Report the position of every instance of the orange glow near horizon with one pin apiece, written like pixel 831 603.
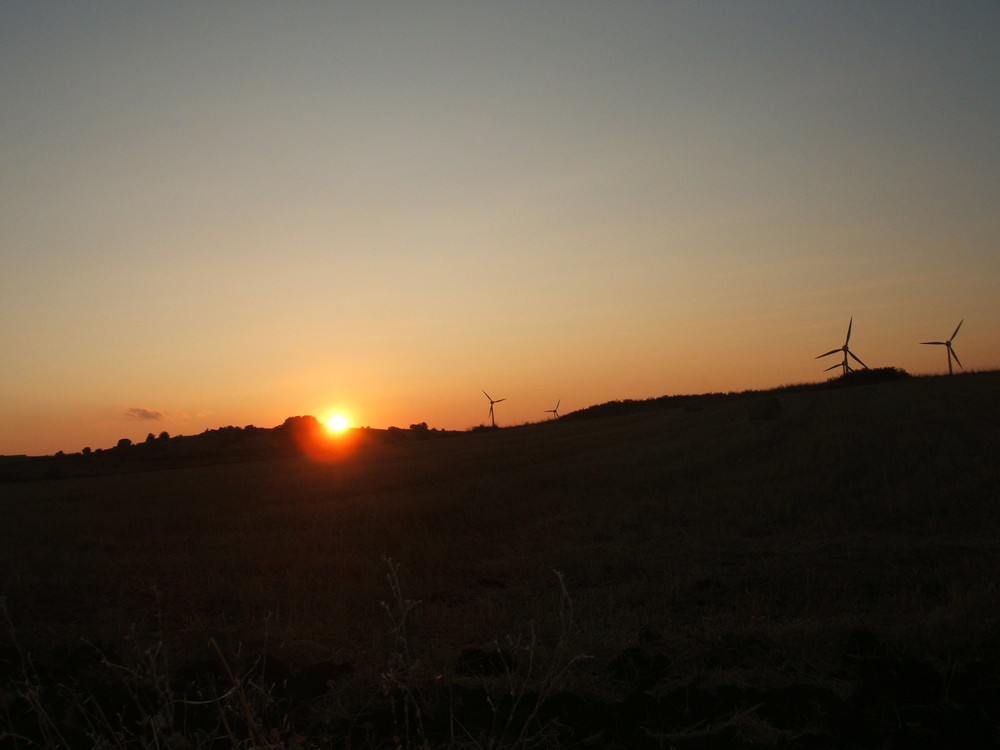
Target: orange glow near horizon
pixel 325 440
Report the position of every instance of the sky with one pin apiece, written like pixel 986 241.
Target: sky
pixel 230 213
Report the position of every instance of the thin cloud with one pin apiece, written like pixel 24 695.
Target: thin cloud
pixel 144 415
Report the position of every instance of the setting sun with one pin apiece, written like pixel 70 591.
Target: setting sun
pixel 337 423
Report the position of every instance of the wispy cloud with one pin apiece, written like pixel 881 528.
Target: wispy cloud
pixel 144 415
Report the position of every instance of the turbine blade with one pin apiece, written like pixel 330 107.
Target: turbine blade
pixel 939 343
pixel 848 339
pixel 499 400
pixel 951 352
pixel 558 402
pixel 832 367
pixel 832 351
pixel 487 395
pixel 858 360
pixel 956 328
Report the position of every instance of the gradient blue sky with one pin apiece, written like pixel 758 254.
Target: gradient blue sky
pixel 221 213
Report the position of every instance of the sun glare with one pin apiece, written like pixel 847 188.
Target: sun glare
pixel 337 423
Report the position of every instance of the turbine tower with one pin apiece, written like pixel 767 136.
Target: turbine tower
pixel 554 412
pixel 493 401
pixel 947 344
pixel 846 364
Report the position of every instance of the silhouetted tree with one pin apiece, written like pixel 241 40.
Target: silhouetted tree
pixel 124 443
pixel 301 432
pixel 164 435
pixel 150 439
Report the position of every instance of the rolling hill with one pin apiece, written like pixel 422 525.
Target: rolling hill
pixel 810 567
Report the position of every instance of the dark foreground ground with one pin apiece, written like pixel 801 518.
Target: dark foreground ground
pixel 810 569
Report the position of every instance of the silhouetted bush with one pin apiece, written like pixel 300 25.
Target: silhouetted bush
pixel 300 432
pixel 869 376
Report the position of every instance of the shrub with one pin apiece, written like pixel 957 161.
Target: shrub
pixel 869 376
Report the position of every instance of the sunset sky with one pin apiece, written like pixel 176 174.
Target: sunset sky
pixel 228 213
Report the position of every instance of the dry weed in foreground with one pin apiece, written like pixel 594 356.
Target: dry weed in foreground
pixel 522 675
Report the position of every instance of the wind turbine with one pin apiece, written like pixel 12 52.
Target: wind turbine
pixel 951 352
pixel 847 353
pixel 554 412
pixel 493 401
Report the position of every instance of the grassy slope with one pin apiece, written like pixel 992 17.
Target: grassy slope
pixel 729 544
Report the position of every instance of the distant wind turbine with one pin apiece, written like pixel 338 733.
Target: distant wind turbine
pixel 947 344
pixel 554 412
pixel 847 353
pixel 493 401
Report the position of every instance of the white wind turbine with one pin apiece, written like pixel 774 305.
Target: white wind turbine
pixel 493 401
pixel 847 353
pixel 947 344
pixel 554 412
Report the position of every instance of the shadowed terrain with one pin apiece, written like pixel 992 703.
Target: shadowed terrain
pixel 805 568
